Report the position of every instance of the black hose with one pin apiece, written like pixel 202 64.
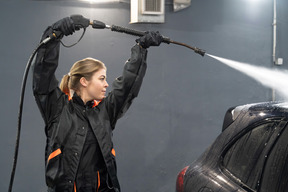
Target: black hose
pixel 21 109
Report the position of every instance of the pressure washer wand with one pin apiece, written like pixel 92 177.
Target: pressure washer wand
pixel 100 25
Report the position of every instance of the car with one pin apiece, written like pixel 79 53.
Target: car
pixel 250 154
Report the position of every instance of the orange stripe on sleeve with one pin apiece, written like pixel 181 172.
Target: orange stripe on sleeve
pixel 54 154
pixel 113 152
pixel 98 181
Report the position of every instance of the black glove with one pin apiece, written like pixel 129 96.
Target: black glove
pixel 151 38
pixel 65 25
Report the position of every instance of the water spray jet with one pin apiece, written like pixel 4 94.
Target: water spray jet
pixel 272 78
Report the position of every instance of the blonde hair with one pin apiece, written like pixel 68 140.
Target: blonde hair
pixel 83 68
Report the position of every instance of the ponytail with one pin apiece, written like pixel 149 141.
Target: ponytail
pixel 64 85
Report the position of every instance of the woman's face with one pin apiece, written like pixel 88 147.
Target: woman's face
pixel 96 86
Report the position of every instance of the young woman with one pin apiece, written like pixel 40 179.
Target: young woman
pixel 79 117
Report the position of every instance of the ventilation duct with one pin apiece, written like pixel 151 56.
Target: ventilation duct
pixel 147 11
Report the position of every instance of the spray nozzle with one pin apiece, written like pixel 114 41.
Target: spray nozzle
pixel 195 49
pixel 97 24
pixel 199 51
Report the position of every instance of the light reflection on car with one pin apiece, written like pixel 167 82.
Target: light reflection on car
pixel 251 153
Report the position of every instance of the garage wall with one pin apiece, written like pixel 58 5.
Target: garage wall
pixel 184 96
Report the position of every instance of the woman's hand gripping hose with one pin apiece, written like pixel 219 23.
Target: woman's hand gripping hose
pixel 67 26
pixel 150 38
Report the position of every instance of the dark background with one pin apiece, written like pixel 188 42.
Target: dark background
pixel 184 97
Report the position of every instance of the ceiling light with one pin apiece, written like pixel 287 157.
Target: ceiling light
pixel 100 1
